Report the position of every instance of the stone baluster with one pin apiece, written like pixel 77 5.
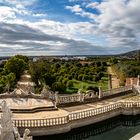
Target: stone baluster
pixel 138 81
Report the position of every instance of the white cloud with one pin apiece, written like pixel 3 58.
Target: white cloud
pixel 39 15
pixel 117 26
pixel 6 13
pixel 79 11
pixel 19 3
pixel 119 21
pixel 92 5
pixel 75 8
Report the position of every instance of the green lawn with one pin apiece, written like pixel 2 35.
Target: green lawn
pixel 84 85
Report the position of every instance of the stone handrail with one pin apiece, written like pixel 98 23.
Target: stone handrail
pixel 116 90
pixel 75 116
pixel 90 94
pixel 41 122
pixel 94 112
pixel 68 98
pixel 64 99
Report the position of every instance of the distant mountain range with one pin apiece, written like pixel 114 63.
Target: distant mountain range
pixel 131 54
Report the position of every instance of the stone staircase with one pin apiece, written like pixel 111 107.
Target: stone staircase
pixel 25 83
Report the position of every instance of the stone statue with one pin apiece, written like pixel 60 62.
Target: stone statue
pixel 7 129
pixel 6 123
pixel 26 135
pixel 55 102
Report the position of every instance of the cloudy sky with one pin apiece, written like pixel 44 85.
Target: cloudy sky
pixel 69 27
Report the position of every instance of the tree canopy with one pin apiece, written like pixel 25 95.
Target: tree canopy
pixel 16 66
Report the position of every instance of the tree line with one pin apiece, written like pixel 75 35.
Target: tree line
pixel 11 71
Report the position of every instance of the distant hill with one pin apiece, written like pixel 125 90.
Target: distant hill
pixel 131 54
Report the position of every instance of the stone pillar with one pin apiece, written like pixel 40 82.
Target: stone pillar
pixel 56 99
pixel 109 81
pixel 81 97
pixel 100 93
pixel 131 81
pixel 138 81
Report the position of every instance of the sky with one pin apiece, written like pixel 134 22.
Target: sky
pixel 69 27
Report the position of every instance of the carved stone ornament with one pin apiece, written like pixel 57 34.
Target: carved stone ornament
pixel 7 129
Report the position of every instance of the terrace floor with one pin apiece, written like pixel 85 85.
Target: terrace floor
pixel 63 111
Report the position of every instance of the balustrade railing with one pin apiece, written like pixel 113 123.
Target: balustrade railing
pixel 41 122
pixel 64 99
pixel 93 112
pixel 91 95
pixel 116 90
pixel 68 99
pixel 76 115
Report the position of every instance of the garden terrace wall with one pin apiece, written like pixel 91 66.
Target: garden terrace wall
pixel 64 100
pixel 77 119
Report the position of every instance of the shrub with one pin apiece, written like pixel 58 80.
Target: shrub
pixel 96 89
pixel 80 77
pixel 85 78
pixel 97 78
pixel 70 84
pixel 58 86
pixel 70 77
pixel 65 80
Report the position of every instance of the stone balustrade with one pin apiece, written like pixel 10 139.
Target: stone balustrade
pixel 41 122
pixel 93 112
pixel 68 99
pixel 64 99
pixel 76 115
pixel 116 90
pixel 90 95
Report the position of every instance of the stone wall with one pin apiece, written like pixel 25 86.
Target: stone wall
pixel 77 119
pixel 75 98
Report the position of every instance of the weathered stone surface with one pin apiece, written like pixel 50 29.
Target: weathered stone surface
pixel 6 123
pixel 7 129
pixel 136 137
